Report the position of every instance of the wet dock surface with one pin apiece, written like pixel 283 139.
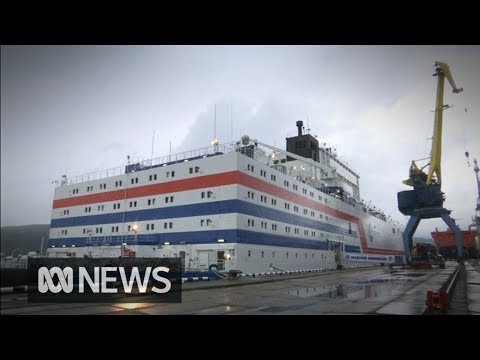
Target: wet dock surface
pixel 376 290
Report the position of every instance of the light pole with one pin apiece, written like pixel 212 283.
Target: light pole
pixel 135 229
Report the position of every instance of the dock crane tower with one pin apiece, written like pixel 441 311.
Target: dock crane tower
pixel 426 199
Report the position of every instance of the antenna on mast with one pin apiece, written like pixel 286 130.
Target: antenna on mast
pixel 151 154
pixel 231 120
pixel 214 142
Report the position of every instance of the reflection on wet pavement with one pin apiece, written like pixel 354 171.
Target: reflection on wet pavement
pixel 372 288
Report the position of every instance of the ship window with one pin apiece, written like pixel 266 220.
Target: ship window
pixel 273 177
pixel 202 221
pixel 173 173
pixel 150 177
pixel 393 230
pixel 170 225
pixel 249 252
pixel 249 222
pixel 197 169
pixel 190 170
pixel 165 225
pixel 113 228
pixel 171 198
pixel 305 255
pixel 209 221
pixel 312 213
pixel 149 202
pixel 273 254
pixel 350 228
pixel 116 228
pixel 129 228
pixel 209 194
pixel 166 199
pixel 305 211
pixel 84 231
pixel 286 255
pixel 313 233
pixel 263 253
pixel 296 255
pixel 101 229
pixel 148 226
pixel 168 174
pixel 313 255
pixel 203 194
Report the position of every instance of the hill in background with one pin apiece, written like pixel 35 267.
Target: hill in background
pixel 22 239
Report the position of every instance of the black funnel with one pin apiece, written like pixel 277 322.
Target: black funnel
pixel 299 126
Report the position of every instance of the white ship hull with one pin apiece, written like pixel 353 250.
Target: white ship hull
pixel 221 208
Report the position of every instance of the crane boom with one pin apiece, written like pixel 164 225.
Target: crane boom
pixel 442 72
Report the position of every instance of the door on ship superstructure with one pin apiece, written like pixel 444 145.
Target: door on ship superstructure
pixel 182 259
pixel 338 248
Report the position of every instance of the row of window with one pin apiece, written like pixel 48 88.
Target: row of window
pixel 99 230
pixel 151 177
pixel 263 198
pixel 288 229
pixel 286 183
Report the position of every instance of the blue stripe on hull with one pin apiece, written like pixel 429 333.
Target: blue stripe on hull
pixel 202 237
pixel 202 209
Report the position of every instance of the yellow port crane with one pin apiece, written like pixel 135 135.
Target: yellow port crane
pixel 442 72
pixel 426 199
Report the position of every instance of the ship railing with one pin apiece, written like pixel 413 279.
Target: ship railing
pixel 145 164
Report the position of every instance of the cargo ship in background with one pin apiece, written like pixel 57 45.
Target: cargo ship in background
pixel 447 245
pixel 244 206
pixel 445 240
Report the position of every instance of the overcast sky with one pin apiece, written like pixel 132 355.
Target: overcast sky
pixel 77 109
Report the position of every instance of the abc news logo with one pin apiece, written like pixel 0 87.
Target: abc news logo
pixel 99 284
pixel 104 280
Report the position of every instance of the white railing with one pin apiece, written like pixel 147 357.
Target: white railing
pixel 164 160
